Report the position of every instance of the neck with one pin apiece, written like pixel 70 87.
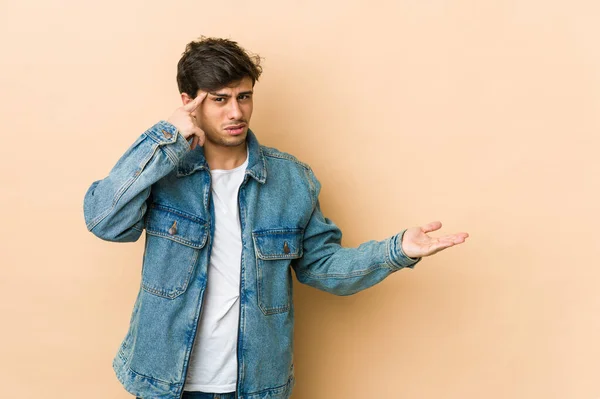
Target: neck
pixel 221 157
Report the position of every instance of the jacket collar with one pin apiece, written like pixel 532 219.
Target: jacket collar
pixel 194 160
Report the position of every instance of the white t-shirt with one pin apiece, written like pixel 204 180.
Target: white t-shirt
pixel 213 363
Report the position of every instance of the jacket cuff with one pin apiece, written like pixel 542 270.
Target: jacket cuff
pixel 169 139
pixel 396 255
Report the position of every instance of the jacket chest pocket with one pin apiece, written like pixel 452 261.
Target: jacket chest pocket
pixel 174 240
pixel 275 250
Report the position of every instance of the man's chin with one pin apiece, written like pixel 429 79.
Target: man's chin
pixel 234 141
pixel 228 140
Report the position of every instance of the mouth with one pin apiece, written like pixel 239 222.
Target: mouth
pixel 236 129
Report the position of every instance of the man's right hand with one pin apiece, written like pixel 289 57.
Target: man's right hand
pixel 185 122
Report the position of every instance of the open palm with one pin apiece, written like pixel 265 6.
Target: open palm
pixel 416 243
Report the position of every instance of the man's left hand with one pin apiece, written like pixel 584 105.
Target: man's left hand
pixel 417 244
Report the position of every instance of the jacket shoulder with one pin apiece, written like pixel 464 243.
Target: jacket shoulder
pixel 281 162
pixel 275 154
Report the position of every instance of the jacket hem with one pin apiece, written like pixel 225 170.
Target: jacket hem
pixel 143 386
pixel 150 388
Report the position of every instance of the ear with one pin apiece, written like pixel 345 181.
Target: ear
pixel 185 98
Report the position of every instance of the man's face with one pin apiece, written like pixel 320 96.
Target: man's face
pixel 224 115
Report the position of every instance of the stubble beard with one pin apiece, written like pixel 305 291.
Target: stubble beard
pixel 231 141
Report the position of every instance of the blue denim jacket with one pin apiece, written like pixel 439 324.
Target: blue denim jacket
pixel 163 186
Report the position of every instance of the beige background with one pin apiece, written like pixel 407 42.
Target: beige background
pixel 483 114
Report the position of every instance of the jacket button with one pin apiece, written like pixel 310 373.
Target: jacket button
pixel 173 229
pixel 286 249
pixel 167 134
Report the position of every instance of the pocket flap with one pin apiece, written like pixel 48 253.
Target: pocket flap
pixel 278 243
pixel 176 225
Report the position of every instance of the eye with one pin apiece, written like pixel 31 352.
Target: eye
pixel 218 99
pixel 244 97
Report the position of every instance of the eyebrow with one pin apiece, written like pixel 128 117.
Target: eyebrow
pixel 227 95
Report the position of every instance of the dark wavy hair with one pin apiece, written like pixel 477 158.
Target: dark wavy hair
pixel 210 63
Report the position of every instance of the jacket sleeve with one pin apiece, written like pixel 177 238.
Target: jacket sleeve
pixel 114 207
pixel 327 265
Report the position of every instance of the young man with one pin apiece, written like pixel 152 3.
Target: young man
pixel 226 220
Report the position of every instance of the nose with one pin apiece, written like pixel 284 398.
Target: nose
pixel 235 112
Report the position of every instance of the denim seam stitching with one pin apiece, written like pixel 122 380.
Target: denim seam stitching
pixel 263 178
pixel 178 290
pixel 346 275
pixel 297 232
pixel 266 310
pixel 153 378
pixel 178 212
pixel 313 188
pixel 122 190
pixel 274 389
pixel 391 263
pixel 182 241
pixel 287 157
pixel 169 153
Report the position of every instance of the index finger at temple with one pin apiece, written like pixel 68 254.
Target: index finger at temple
pixel 192 105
